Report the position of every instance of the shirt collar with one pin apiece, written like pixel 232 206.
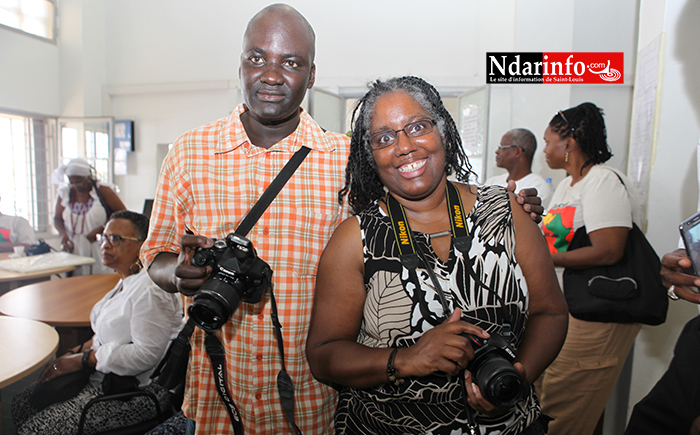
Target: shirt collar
pixel 308 133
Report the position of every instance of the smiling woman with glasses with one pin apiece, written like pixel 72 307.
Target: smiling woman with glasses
pixel 424 262
pixel 133 325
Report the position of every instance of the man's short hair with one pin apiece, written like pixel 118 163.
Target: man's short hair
pixel 526 140
pixel 287 12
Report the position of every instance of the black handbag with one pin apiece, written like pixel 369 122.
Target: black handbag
pixel 107 208
pixel 58 389
pixel 41 247
pixel 629 291
pixel 113 383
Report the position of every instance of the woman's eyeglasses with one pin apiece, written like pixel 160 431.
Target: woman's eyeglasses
pixel 560 113
pixel 387 138
pixel 563 117
pixel 114 239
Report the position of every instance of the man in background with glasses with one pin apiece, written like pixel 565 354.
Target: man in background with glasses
pixel 515 154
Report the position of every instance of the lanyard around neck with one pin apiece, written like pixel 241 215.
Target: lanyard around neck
pixel 412 257
pixel 404 236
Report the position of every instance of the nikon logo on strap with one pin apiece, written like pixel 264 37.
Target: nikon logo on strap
pixel 458 217
pixel 402 229
pixel 404 238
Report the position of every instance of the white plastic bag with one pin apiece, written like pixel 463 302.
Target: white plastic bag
pixel 37 263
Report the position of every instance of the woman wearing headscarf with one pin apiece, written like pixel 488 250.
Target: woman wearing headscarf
pixel 83 207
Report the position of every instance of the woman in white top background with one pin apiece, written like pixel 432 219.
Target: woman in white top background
pixel 82 211
pixel 576 386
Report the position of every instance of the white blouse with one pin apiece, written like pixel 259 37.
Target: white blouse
pixel 78 226
pixel 133 326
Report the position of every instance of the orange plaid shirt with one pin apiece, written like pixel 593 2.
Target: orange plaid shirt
pixel 210 179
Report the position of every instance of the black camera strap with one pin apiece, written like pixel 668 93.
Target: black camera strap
pixel 217 356
pixel 461 239
pixel 271 192
pixel 213 345
pixel 412 255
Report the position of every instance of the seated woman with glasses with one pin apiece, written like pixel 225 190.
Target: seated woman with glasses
pixel 133 326
pixel 424 262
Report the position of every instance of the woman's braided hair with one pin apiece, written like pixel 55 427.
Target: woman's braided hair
pixel 362 183
pixel 586 125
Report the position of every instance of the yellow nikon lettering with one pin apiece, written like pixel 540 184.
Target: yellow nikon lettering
pixel 459 222
pixel 403 234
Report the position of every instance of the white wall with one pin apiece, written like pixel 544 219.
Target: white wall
pixel 29 74
pixel 673 193
pixel 160 117
pixel 356 43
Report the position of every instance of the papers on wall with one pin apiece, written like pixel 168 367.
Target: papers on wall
pixel 645 115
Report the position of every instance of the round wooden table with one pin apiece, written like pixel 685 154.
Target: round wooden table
pixel 64 303
pixel 25 345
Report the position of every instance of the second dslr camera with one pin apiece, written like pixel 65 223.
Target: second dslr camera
pixel 492 370
pixel 238 274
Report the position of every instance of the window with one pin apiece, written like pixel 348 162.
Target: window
pixel 26 146
pixel 88 138
pixel 36 17
pixel 31 151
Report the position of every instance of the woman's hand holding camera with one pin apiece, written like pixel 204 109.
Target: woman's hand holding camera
pixel 476 399
pixel 441 349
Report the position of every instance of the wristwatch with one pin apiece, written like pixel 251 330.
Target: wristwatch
pixel 86 360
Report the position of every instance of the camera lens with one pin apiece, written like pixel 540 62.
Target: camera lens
pixel 207 315
pixel 212 306
pixel 500 383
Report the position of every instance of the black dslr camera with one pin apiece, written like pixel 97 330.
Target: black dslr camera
pixel 492 370
pixel 238 274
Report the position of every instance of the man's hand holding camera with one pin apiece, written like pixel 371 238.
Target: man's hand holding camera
pixel 189 278
pixel 219 273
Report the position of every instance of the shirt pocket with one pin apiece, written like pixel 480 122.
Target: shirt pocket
pixel 306 239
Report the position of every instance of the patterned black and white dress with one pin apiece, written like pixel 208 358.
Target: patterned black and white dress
pixel 396 314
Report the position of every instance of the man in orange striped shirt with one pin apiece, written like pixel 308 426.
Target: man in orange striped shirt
pixel 209 181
